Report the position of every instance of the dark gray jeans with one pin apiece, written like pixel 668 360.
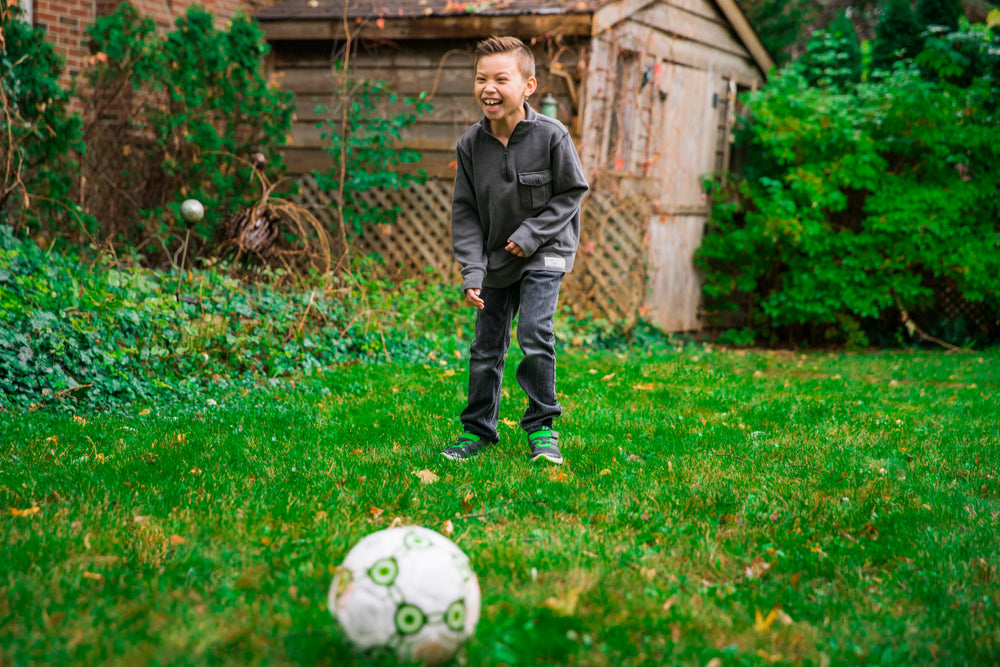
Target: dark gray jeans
pixel 536 295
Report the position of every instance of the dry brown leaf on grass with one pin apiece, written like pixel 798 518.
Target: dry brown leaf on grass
pixel 558 475
pixel 467 502
pixel 427 476
pixel 29 511
pixel 564 605
pixel 375 512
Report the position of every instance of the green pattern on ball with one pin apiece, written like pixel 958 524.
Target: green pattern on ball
pixel 384 571
pixel 409 619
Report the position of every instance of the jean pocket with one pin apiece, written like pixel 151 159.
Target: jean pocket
pixel 535 188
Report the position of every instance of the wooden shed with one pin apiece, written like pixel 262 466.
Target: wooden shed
pixel 648 89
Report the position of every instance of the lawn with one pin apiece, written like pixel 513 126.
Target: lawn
pixel 717 507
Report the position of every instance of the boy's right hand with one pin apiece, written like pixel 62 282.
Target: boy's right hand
pixel 472 298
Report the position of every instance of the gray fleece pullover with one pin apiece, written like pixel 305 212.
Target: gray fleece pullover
pixel 528 192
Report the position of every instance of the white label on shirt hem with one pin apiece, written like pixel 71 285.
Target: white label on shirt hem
pixel 555 262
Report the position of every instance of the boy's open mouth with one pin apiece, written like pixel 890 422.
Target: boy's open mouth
pixel 492 103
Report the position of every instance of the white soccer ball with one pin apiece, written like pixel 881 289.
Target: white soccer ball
pixel 407 589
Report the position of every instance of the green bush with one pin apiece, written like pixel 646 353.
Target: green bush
pixel 897 36
pixel 109 332
pixel 40 137
pixel 176 116
pixel 363 135
pixel 858 203
pixel 832 56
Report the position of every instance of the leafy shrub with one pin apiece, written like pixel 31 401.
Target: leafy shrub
pixel 363 136
pixel 897 36
pixel 832 56
pixel 177 116
pixel 856 204
pixel 40 137
pixel 111 333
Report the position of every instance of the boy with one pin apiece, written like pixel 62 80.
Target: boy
pixel 515 225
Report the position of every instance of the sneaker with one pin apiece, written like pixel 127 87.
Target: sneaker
pixel 468 445
pixel 545 445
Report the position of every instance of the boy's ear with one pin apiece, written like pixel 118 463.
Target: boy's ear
pixel 530 86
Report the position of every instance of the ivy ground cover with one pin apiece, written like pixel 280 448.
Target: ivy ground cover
pixel 717 507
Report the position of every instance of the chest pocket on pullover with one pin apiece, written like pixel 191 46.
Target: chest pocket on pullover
pixel 535 188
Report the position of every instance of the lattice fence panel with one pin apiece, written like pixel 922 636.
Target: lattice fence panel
pixel 608 280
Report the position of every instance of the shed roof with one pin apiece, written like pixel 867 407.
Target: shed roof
pixel 334 9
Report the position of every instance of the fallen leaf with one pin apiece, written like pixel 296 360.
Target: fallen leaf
pixel 763 623
pixel 756 568
pixel 448 528
pixel 644 387
pixel 320 515
pixel 143 412
pixel 375 512
pixel 195 471
pixel 177 539
pixel 95 576
pixel 564 606
pixel 30 511
pixel 427 477
pixel 510 422
pixel 467 502
pixel 80 420
pixel 608 377
pixel 558 475
pixel 605 471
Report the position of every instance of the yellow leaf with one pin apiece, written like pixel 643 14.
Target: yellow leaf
pixel 564 606
pixel 143 412
pixel 96 576
pixel 176 539
pixel 375 512
pixel 30 511
pixel 605 471
pixel 510 422
pixel 608 377
pixel 558 475
pixel 644 387
pixel 195 471
pixel 80 420
pixel 762 623
pixel 448 528
pixel 426 476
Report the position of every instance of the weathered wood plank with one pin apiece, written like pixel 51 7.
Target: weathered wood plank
pixel 692 27
pixel 674 286
pixel 432 27
pixel 612 14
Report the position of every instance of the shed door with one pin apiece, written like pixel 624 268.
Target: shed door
pixel 689 116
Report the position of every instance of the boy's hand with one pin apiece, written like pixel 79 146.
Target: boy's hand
pixel 514 249
pixel 472 298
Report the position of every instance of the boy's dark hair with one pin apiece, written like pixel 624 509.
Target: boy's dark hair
pixel 496 45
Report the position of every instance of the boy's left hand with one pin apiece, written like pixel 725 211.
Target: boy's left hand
pixel 514 249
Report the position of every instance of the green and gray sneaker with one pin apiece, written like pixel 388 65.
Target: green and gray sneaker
pixel 467 446
pixel 545 445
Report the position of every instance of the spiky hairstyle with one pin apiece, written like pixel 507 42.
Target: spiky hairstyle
pixel 497 45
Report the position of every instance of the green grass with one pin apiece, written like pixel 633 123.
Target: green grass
pixel 753 507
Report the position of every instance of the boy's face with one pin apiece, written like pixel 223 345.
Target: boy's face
pixel 501 88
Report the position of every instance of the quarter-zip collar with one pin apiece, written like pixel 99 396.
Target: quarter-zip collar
pixel 520 130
